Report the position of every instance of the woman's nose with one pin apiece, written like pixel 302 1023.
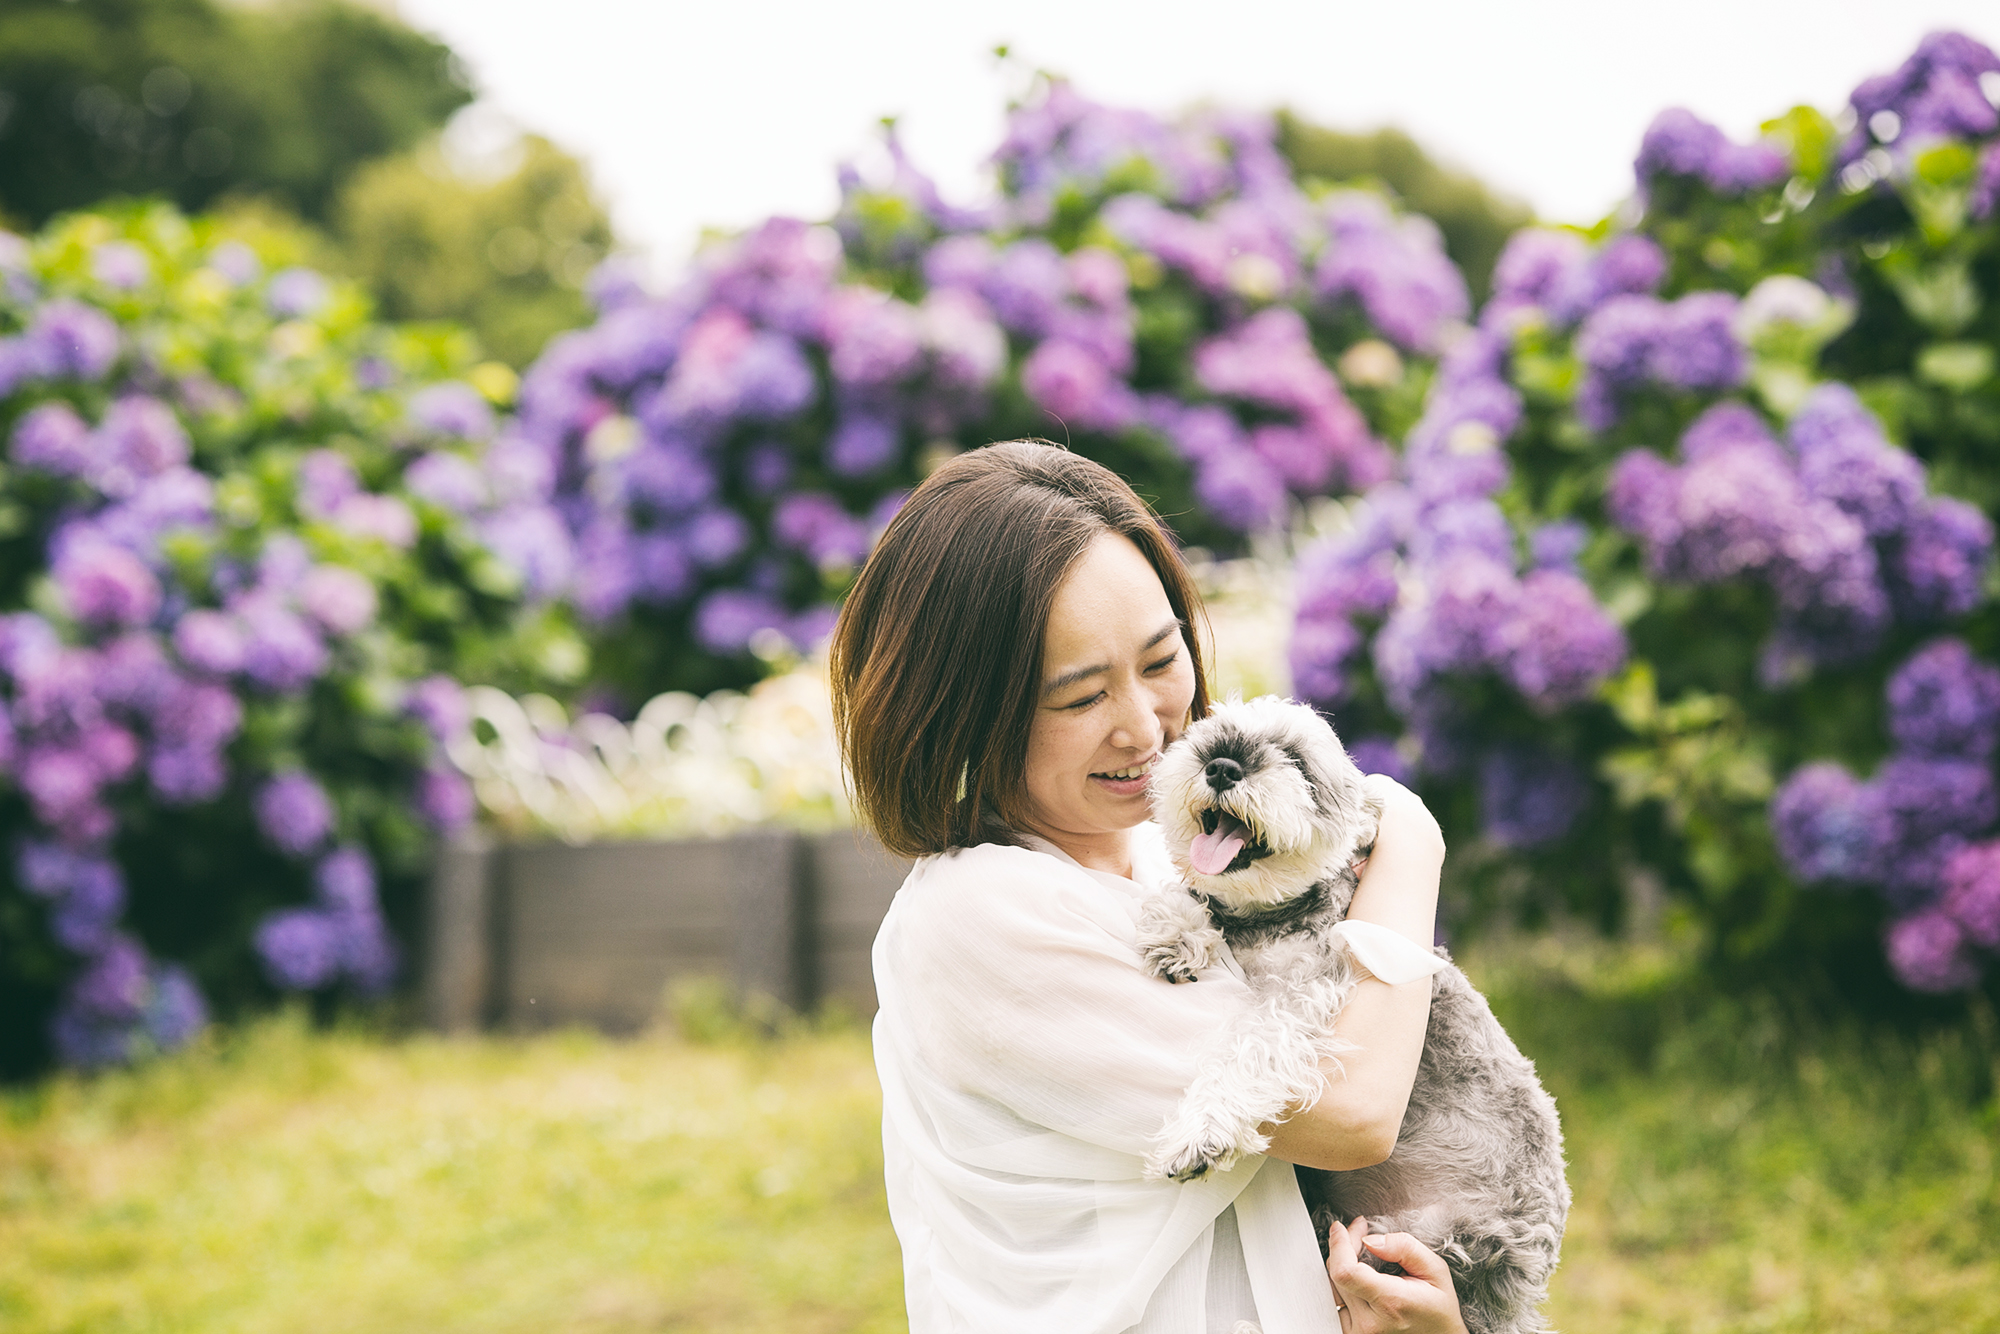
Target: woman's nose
pixel 1135 726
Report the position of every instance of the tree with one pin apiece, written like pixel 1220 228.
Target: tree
pixel 190 100
pixel 508 258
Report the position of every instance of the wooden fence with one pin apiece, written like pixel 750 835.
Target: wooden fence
pixel 526 936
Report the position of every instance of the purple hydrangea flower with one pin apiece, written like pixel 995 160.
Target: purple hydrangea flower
pixel 1562 646
pixel 1319 649
pixel 294 813
pixel 1928 952
pixel 113 985
pixel 1972 893
pixel 1380 755
pixel 531 539
pixel 1396 268
pixel 1241 490
pixel 281 651
pixel 1944 701
pixel 726 620
pixel 816 525
pixel 862 444
pixel 384 518
pixel 1558 545
pixel 236 262
pixel 1462 526
pixel 120 264
pixel 1680 143
pixel 1073 383
pixel 1722 427
pixel 52 438
pixel 86 916
pixel 140 437
pixel 1616 343
pixel 340 599
pixel 1845 459
pixel 186 775
pixel 176 1011
pixel 326 479
pixel 1938 567
pixel 873 340
pixel 449 481
pixel 1697 346
pixel 1932 802
pixel 452 408
pixel 1830 827
pixel 1529 796
pixel 74 341
pixel 445 799
pixel 300 947
pixel 668 477
pixel 344 881
pixel 297 292
pixel 1538 268
pixel 1935 94
pixel 439 703
pixel 104 585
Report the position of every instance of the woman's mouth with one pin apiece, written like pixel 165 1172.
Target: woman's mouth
pixel 1129 780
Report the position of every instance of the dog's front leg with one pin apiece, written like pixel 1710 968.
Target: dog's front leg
pixel 1176 937
pixel 1269 1062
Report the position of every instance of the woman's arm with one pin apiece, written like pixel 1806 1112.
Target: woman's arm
pixel 1354 1123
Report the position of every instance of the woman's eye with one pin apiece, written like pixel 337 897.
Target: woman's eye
pixel 1083 704
pixel 1164 663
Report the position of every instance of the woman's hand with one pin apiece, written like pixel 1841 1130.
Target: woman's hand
pixel 1406 822
pixel 1371 1301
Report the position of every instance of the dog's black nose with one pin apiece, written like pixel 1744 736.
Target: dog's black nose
pixel 1223 774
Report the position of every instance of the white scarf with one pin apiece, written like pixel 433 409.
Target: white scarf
pixel 1026 1061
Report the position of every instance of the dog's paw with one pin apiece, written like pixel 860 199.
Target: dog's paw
pixel 1190 1162
pixel 1176 960
pixel 1188 1153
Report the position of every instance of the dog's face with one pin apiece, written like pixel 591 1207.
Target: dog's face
pixel 1259 802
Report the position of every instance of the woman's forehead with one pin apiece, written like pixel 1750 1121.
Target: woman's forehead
pixel 1110 600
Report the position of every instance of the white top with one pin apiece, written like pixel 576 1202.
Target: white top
pixel 1026 1061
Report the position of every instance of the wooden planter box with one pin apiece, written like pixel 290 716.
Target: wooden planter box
pixel 531 936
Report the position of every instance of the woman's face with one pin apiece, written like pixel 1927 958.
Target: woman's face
pixel 1116 687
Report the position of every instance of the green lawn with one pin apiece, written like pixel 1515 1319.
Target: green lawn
pixel 1731 1173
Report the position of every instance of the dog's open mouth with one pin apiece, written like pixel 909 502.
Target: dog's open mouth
pixel 1224 844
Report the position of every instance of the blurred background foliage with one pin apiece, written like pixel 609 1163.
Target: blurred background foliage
pixel 332 113
pixel 327 112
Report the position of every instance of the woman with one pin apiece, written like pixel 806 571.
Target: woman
pixel 1015 656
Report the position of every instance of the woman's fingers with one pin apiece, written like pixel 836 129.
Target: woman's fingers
pixel 1373 1302
pixel 1417 1259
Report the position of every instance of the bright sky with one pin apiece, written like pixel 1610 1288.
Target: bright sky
pixel 723 112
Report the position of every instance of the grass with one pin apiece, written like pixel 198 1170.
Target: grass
pixel 1736 1168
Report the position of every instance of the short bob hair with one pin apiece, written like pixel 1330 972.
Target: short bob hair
pixel 936 662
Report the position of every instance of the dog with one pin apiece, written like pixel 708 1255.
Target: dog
pixel 1264 815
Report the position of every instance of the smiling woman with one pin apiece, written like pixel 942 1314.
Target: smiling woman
pixel 1015 657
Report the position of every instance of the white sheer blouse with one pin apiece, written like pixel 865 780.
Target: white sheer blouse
pixel 1026 1060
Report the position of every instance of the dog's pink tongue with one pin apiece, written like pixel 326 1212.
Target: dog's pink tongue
pixel 1210 854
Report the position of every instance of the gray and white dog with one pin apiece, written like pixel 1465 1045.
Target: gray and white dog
pixel 1264 814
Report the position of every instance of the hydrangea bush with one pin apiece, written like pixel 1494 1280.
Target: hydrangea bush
pixel 233 569
pixel 1695 528
pixel 1160 295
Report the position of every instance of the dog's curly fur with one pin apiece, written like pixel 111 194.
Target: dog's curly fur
pixel 1477 1172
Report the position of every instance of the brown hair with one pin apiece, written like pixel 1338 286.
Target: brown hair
pixel 936 663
